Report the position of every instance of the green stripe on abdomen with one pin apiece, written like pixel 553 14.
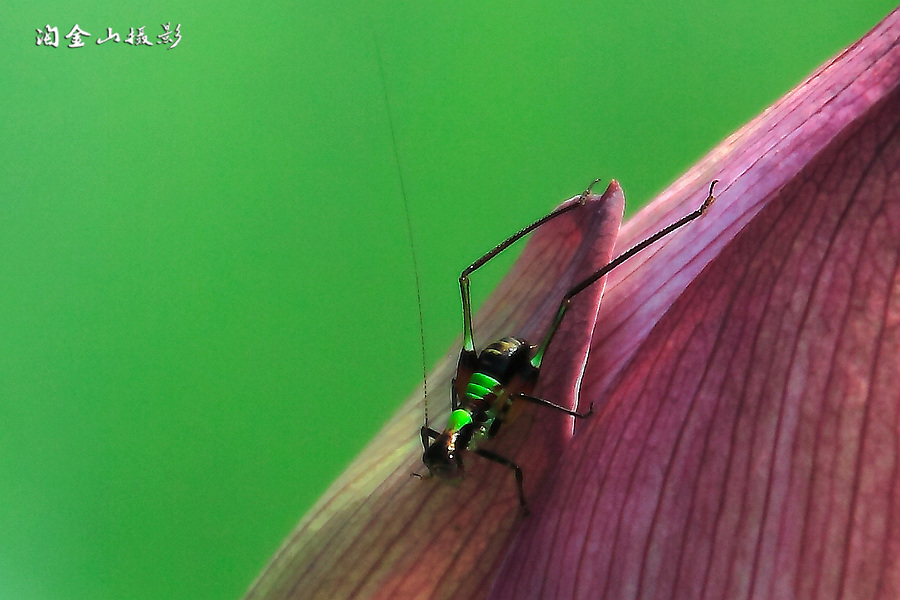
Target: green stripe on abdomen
pixel 481 385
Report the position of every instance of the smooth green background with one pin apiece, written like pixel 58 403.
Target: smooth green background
pixel 206 295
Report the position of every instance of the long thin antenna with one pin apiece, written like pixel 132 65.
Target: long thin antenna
pixel 409 229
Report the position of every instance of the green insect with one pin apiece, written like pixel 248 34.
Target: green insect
pixel 487 384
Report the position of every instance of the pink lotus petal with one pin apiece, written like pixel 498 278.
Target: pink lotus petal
pixel 746 372
pixel 749 372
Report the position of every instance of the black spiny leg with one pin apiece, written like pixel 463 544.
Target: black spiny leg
pixel 549 404
pixel 564 305
pixel 507 463
pixel 468 337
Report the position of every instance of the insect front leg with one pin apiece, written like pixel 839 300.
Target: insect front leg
pixel 510 464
